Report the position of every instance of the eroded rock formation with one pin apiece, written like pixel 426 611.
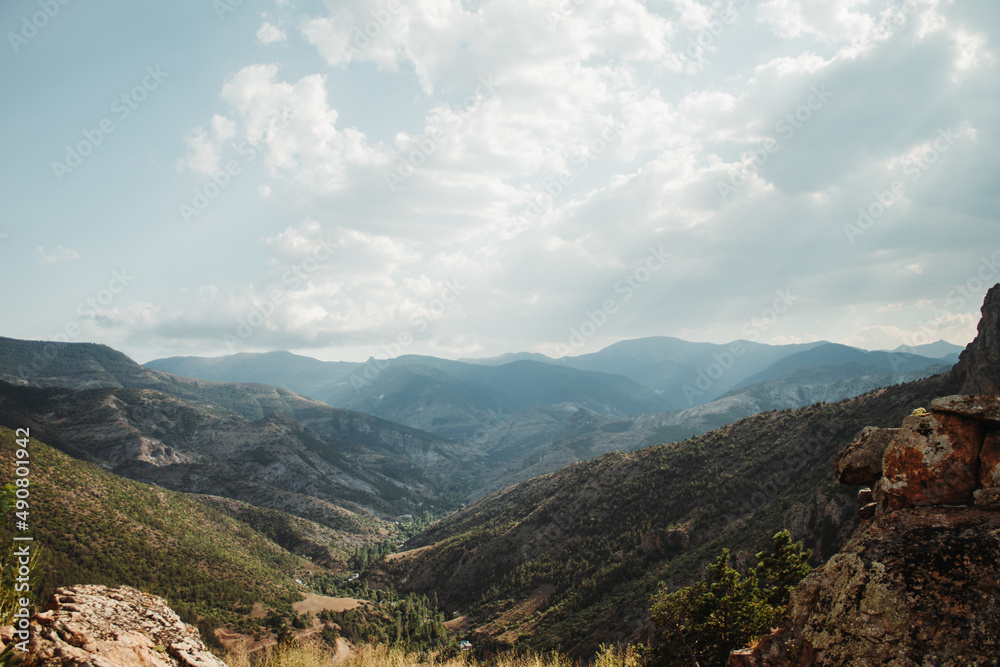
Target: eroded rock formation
pixel 96 626
pixel 979 365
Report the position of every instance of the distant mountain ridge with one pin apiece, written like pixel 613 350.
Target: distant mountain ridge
pixel 467 429
pixel 940 349
pixel 655 374
pixel 833 354
pixel 521 410
pixel 252 442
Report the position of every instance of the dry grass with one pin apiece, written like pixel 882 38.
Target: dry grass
pixel 299 654
pixel 317 654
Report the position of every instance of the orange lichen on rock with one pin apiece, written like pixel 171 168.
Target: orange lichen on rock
pixel 933 460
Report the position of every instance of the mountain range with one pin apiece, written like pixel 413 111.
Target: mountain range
pixel 546 559
pixel 238 440
pixel 530 414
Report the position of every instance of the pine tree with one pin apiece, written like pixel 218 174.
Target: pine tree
pixel 781 569
pixel 703 623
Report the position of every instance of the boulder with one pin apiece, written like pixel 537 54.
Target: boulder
pixel 96 626
pixel 988 498
pixel 986 408
pixel 933 460
pixel 860 462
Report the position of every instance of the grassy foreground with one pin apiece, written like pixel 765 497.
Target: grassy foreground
pixel 318 654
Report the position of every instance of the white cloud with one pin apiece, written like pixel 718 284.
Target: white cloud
pixel 890 308
pixel 832 21
pixel 446 43
pixel 205 147
pixel 682 128
pixel 59 254
pixel 270 34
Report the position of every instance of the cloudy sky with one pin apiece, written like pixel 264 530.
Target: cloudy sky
pixel 357 178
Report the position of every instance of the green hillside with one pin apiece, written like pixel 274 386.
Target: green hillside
pixel 97 528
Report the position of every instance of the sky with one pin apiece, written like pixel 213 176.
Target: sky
pixel 466 178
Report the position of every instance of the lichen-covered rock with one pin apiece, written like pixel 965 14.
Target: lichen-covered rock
pixel 916 587
pixel 986 408
pixel 860 462
pixel 933 460
pixel 96 626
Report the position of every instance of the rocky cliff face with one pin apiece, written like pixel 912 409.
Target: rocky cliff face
pixel 95 626
pixel 979 364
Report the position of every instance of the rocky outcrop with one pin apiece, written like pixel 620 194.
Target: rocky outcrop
pixel 948 456
pixel 96 626
pixel 861 461
pixel 979 364
pixel 665 542
pixel 919 582
pixel 933 460
pixel 915 587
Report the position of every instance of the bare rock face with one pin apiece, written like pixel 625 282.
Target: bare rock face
pixel 861 461
pixel 96 626
pixel 979 364
pixel 919 586
pixel 933 460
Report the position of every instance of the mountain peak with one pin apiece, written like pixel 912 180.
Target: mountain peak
pixel 979 364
